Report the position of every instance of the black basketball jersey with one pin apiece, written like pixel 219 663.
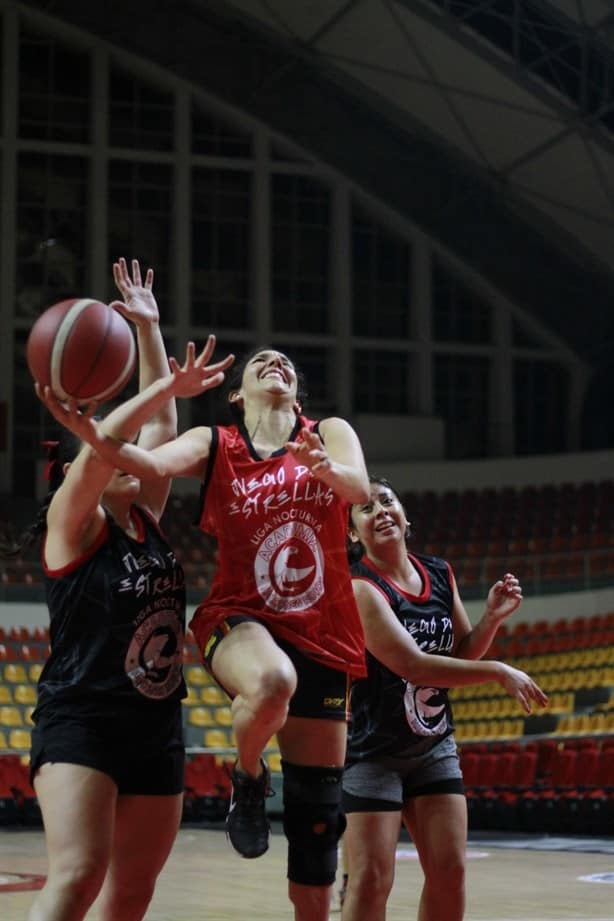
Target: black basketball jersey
pixel 117 623
pixel 389 715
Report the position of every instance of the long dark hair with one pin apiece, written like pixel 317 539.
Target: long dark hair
pixel 355 549
pixel 234 379
pixel 60 452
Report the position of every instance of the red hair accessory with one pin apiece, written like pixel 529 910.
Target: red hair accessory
pixel 51 450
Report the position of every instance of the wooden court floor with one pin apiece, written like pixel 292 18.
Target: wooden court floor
pixel 204 881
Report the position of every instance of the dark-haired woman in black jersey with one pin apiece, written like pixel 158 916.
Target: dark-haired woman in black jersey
pixel 402 764
pixel 107 749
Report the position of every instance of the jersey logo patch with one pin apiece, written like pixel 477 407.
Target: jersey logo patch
pixel 425 710
pixel 154 659
pixel 289 568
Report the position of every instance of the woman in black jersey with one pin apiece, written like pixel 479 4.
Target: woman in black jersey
pixel 402 763
pixel 107 749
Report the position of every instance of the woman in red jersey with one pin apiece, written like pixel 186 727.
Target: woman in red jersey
pixel 279 631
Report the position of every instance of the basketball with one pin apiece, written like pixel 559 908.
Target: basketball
pixel 82 349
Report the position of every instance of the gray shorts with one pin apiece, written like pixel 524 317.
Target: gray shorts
pixel 384 785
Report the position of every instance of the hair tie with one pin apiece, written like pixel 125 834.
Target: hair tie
pixel 51 451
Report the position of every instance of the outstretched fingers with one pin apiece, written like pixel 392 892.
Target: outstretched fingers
pixel 196 375
pixel 530 692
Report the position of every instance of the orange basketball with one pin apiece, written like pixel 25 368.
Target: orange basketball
pixel 83 349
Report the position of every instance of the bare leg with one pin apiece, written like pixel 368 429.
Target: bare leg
pixel 314 743
pixel 78 807
pixel 145 829
pixel 262 679
pixel 370 840
pixel 438 827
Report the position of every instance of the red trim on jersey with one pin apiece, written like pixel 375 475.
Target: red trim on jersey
pixel 79 560
pixel 451 575
pixel 424 595
pixel 373 584
pixel 143 512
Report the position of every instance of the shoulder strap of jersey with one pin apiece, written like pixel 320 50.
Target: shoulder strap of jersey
pixel 364 571
pixel 215 440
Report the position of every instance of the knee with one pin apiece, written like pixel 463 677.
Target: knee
pixel 129 898
pixel 275 687
pixel 446 870
pixel 80 880
pixel 372 879
pixel 313 822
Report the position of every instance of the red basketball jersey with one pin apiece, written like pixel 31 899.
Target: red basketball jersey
pixel 282 559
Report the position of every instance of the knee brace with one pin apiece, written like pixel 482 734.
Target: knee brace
pixel 313 822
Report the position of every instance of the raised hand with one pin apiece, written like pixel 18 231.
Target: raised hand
pixel 138 304
pixel 196 376
pixel 521 686
pixel 310 452
pixel 78 420
pixel 190 379
pixel 504 597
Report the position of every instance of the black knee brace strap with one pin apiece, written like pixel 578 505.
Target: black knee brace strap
pixel 313 822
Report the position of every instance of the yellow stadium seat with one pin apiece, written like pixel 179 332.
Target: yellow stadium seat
pixel 597 723
pixel 564 725
pixel 27 716
pixel 200 716
pixel 10 716
pixel 195 674
pixel 274 762
pixel 223 716
pixel 3 744
pixel 19 739
pixel 15 672
pixel 25 694
pixel 6 697
pixel 216 738
pixel 512 729
pixel 193 698
pixel 581 723
pixel 212 695
pixel 35 671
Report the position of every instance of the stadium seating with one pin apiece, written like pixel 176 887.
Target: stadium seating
pixel 555 537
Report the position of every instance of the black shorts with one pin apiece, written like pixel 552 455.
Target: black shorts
pixel 148 761
pixel 321 692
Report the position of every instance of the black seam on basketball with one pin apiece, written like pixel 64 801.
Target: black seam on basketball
pixel 94 364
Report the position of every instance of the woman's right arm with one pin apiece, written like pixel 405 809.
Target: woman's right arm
pixel 394 647
pixel 186 456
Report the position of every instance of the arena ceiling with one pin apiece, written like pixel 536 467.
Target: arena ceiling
pixel 488 123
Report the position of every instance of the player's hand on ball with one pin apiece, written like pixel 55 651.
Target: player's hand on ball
pixel 196 375
pixel 77 420
pixel 138 305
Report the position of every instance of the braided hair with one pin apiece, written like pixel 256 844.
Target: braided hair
pixel 59 453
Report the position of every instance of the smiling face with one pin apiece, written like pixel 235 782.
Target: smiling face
pixel 379 522
pixel 268 374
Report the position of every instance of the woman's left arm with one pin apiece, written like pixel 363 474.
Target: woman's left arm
pixel 503 599
pixel 140 307
pixel 336 458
